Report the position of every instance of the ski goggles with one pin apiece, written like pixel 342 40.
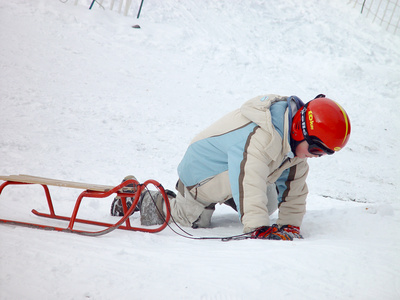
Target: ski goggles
pixel 315 146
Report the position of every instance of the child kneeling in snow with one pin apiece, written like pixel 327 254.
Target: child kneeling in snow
pixel 255 160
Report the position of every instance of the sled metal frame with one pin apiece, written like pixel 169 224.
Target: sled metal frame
pixel 90 191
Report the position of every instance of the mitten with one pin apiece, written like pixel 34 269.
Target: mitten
pixel 294 231
pixel 271 233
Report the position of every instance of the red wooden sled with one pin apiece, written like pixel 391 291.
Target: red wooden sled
pixel 90 191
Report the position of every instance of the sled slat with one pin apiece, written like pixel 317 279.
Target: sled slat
pixel 55 182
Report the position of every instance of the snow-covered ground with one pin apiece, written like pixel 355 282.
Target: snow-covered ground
pixel 86 97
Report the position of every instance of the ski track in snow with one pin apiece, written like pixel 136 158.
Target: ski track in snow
pixel 85 97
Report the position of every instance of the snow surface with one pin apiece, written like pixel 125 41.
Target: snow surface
pixel 86 97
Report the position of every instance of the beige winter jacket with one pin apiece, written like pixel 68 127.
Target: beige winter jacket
pixel 246 147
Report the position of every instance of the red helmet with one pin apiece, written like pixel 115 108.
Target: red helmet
pixel 322 120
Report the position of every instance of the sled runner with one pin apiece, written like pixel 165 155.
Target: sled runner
pixel 90 191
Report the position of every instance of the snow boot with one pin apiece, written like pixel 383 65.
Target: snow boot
pixel 151 207
pixel 116 205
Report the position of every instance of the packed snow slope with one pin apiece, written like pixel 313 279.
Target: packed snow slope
pixel 86 97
